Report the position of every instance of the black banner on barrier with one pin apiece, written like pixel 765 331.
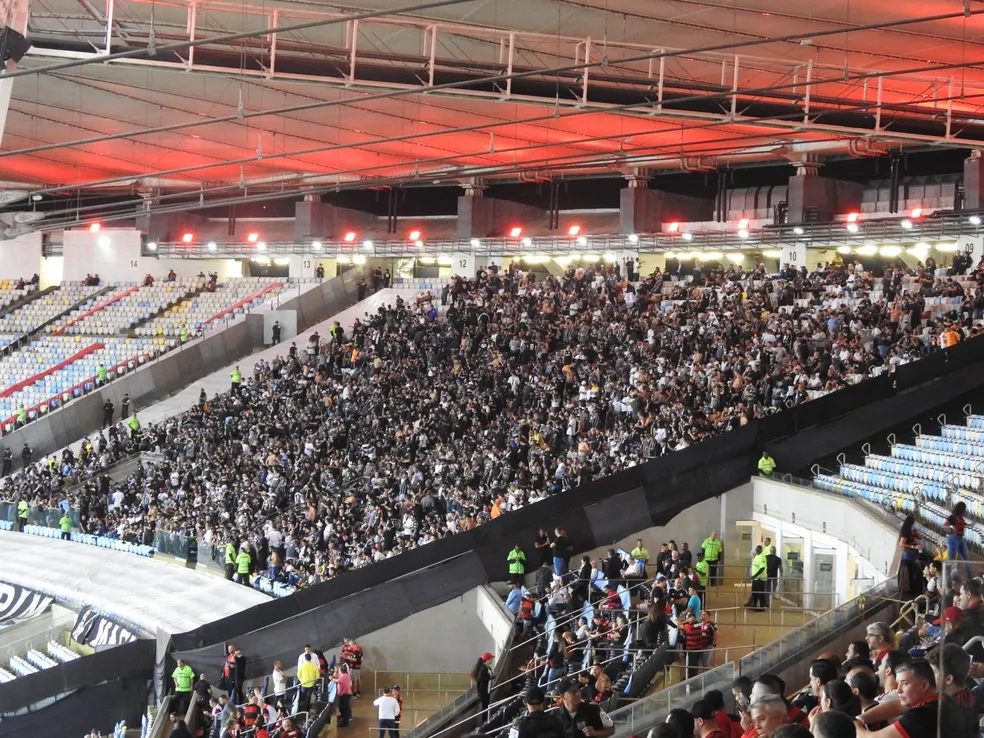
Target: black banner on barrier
pixel 94 630
pixel 18 604
pixel 100 707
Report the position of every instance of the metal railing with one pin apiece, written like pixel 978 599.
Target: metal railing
pixel 653 710
pixel 405 678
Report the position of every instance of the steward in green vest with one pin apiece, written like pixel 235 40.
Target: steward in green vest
pixel 134 425
pixel 759 573
pixel 703 569
pixel 230 560
pixel 22 510
pixel 184 680
pixel 21 416
pixel 766 464
pixel 184 334
pixel 517 565
pixel 101 374
pixel 243 561
pixel 237 378
pixel 65 523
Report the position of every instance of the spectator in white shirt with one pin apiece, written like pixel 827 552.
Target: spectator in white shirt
pixel 307 651
pixel 278 682
pixel 388 708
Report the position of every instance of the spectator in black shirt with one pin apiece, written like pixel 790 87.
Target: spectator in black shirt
pixel 582 718
pixel 613 567
pixel 542 544
pixel 560 548
pixel 661 557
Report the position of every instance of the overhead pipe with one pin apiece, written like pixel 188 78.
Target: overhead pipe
pixel 509 77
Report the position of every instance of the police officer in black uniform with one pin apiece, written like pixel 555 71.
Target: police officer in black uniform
pixel 581 718
pixel 536 723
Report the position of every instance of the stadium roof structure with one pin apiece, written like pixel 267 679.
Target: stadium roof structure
pixel 231 100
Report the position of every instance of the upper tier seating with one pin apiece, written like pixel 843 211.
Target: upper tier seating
pixel 197 311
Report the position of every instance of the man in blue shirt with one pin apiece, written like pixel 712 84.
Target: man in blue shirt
pixel 693 603
pixel 514 597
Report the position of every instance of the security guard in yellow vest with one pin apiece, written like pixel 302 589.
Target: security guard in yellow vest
pixel 22 510
pixel 703 569
pixel 185 335
pixel 184 680
pixel 21 416
pixel 230 560
pixel 766 464
pixel 759 572
pixel 237 379
pixel 243 563
pixel 134 425
pixel 517 565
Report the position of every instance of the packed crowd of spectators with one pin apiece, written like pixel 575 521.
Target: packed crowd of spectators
pixel 424 421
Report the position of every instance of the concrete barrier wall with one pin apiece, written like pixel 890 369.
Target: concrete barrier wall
pixel 177 369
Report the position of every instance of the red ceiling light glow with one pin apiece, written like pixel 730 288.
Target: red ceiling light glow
pixel 414 235
pixel 673 227
pixel 853 217
pixel 574 230
pixel 253 237
pixel 188 238
pixel 743 224
pixel 350 236
pixel 94 227
pixel 515 232
pixel 917 212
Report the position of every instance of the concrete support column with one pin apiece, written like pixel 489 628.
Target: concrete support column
pixel 974 182
pixel 113 254
pixel 312 219
pixel 21 257
pixel 813 199
pixel 487 217
pixel 639 207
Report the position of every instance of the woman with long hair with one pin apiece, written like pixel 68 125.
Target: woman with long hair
pixel 910 578
pixel 481 676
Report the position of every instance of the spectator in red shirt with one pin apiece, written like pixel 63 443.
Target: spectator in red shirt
pixel 352 656
pixel 729 728
pixel 289 730
pixel 705 725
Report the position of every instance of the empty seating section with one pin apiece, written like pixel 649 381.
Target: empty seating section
pixel 36 313
pixel 929 477
pixel 67 381
pixel 22 667
pixel 40 660
pixel 127 306
pixel 9 293
pixel 37 659
pixel 61 653
pixel 237 296
pixel 118 327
